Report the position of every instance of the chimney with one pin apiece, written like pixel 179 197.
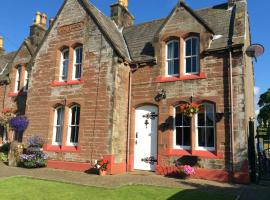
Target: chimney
pixel 38 29
pixel 233 2
pixel 2 51
pixel 120 14
pixel 51 21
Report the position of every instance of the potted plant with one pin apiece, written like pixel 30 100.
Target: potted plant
pixel 186 171
pixel 189 109
pixel 33 156
pixel 102 166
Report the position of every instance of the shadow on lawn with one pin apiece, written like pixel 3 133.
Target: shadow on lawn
pixel 194 194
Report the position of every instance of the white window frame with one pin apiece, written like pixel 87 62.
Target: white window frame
pixel 62 66
pixel 55 125
pixel 197 132
pixel 75 65
pixel 191 56
pixel 18 78
pixel 26 81
pixel 166 56
pixel 71 125
pixel 174 133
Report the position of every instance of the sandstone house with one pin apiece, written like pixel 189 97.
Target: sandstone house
pixel 95 86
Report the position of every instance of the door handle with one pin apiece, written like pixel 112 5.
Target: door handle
pixel 136 142
pixel 136 135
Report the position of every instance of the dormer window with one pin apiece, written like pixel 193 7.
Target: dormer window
pixel 77 66
pixel 18 78
pixel 192 55
pixel 64 65
pixel 172 59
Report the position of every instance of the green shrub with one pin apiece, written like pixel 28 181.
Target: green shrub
pixel 3 157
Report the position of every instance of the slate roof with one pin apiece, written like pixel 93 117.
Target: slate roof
pixel 109 28
pixel 140 37
pixel 5 60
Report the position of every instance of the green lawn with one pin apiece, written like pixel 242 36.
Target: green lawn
pixel 26 189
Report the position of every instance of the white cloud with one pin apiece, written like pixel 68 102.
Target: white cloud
pixel 257 90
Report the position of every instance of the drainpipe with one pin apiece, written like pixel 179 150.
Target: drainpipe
pixel 129 120
pixel 231 109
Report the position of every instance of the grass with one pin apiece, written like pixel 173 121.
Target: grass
pixel 23 188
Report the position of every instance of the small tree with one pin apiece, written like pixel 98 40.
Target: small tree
pixel 264 104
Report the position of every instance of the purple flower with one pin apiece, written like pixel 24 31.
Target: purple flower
pixel 19 123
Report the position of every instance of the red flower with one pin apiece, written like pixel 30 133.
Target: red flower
pixel 6 110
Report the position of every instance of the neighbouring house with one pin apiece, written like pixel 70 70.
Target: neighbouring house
pixel 98 87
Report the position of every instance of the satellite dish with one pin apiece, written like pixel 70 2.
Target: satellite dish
pixel 255 50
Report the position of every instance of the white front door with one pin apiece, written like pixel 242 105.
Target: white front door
pixel 145 138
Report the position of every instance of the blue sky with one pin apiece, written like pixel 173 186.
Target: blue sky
pixel 16 16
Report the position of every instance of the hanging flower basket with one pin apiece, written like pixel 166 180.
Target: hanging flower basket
pixel 5 116
pixel 19 123
pixel 189 109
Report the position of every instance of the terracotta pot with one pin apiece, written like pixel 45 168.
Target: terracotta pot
pixel 102 172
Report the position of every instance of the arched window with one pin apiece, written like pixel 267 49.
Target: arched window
pixel 192 55
pixel 64 65
pixel 58 125
pixel 205 122
pixel 77 66
pixel 73 125
pixel 182 130
pixel 172 58
pixel 18 79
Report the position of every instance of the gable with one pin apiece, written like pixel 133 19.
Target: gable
pixel 185 20
pixel 23 55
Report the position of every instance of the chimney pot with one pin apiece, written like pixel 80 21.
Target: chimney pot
pixel 123 3
pixel 51 21
pixel 43 19
pixel 38 18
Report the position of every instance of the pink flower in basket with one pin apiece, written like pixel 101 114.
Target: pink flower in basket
pixel 186 170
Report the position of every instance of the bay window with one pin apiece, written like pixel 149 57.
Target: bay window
pixel 192 55
pixel 77 66
pixel 58 125
pixel 172 58
pixel 205 129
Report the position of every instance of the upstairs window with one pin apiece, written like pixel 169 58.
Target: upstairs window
pixel 58 125
pixel 192 55
pixel 18 78
pixel 77 67
pixel 206 127
pixel 182 129
pixel 64 65
pixel 26 81
pixel 172 58
pixel 74 122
